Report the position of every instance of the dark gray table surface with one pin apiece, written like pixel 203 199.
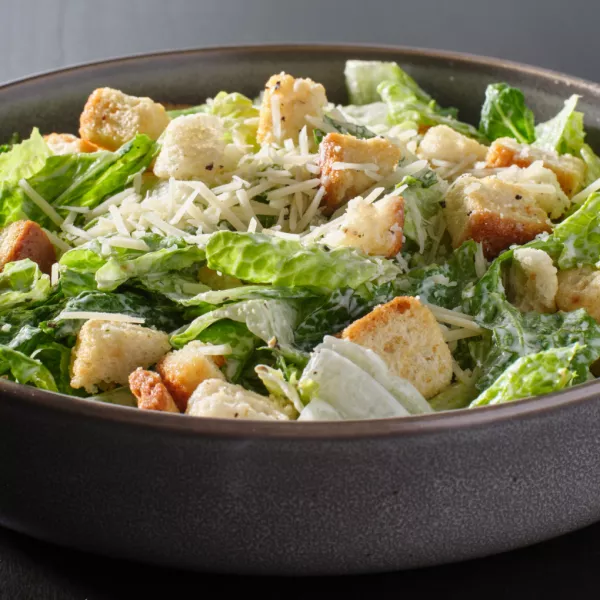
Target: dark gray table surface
pixel 38 35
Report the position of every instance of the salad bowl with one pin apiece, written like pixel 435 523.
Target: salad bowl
pixel 294 498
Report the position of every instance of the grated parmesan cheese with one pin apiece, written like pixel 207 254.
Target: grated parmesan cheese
pixel 99 316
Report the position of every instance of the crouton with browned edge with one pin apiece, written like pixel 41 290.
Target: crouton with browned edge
pixel 494 212
pixel 533 281
pixel 66 143
pixel 107 352
pixel 110 118
pixel 26 239
pixel 406 335
pixel 151 392
pixel 344 182
pixel 182 371
pixel 579 288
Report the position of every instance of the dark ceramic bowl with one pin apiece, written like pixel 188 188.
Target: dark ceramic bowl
pixel 296 498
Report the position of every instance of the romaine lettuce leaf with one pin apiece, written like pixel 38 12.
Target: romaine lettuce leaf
pixel 267 319
pixel 411 108
pixel 533 375
pixel 564 132
pixel 22 281
pixel 505 114
pixel 364 76
pixel 24 159
pixel 259 258
pixel 23 369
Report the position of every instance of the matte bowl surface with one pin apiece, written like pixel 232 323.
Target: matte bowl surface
pixel 296 498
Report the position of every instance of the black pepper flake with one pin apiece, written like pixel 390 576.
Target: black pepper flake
pixel 518 197
pixel 443 204
pixel 236 415
pixel 277 85
pixel 209 166
pixel 283 118
pixel 469 213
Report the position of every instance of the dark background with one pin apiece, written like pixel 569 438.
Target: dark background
pixel 38 35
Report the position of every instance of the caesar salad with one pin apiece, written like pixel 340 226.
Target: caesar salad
pixel 287 258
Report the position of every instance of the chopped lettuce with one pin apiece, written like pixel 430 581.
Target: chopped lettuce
pixel 364 76
pixel 533 375
pixel 267 319
pixel 22 282
pixel 564 132
pixel 23 369
pixel 259 258
pixel 505 114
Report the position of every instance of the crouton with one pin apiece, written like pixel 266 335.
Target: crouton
pixel 569 170
pixel 579 288
pixel 374 228
pixel 294 99
pixel 408 338
pixel 220 399
pixel 193 147
pixel 65 143
pixel 342 184
pixel 533 281
pixel 543 186
pixel 184 370
pixel 110 118
pixel 493 212
pixel 26 239
pixel 151 392
pixel 445 144
pixel 108 352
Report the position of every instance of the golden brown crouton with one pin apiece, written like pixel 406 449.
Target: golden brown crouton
pixel 184 370
pixel 445 144
pixel 26 239
pixel 294 100
pixel 65 143
pixel 109 351
pixel 406 335
pixel 220 399
pixel 374 228
pixel 569 170
pixel 493 212
pixel 342 184
pixel 533 281
pixel 110 118
pixel 150 391
pixel 579 288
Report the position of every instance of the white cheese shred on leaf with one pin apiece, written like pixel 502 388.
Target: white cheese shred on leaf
pixel 276 116
pixel 454 335
pixel 99 316
pixel 127 242
pixel 348 166
pixel 312 209
pixel 42 204
pixel 56 241
pixel 54 274
pixel 118 219
pixel 214 349
pixel 583 194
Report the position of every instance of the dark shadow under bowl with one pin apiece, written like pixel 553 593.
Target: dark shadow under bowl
pixel 294 498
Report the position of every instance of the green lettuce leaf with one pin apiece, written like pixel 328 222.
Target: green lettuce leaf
pixel 259 258
pixel 21 282
pixel 23 369
pixel 364 76
pixel 533 375
pixel 564 132
pixel 410 107
pixel 592 163
pixel 12 141
pixel 86 268
pixel 505 114
pixel 266 319
pixel 24 159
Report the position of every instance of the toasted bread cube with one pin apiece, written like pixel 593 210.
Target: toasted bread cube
pixel 569 170
pixel 445 144
pixel 151 392
pixel 110 118
pixel 109 351
pixel 66 143
pixel 543 185
pixel 341 184
pixel 579 288
pixel 26 239
pixel 294 99
pixel 374 228
pixel 223 400
pixel 534 281
pixel 408 338
pixel 182 371
pixel 193 147
pixel 493 212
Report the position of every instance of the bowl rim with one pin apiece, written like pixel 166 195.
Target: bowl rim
pixel 435 423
